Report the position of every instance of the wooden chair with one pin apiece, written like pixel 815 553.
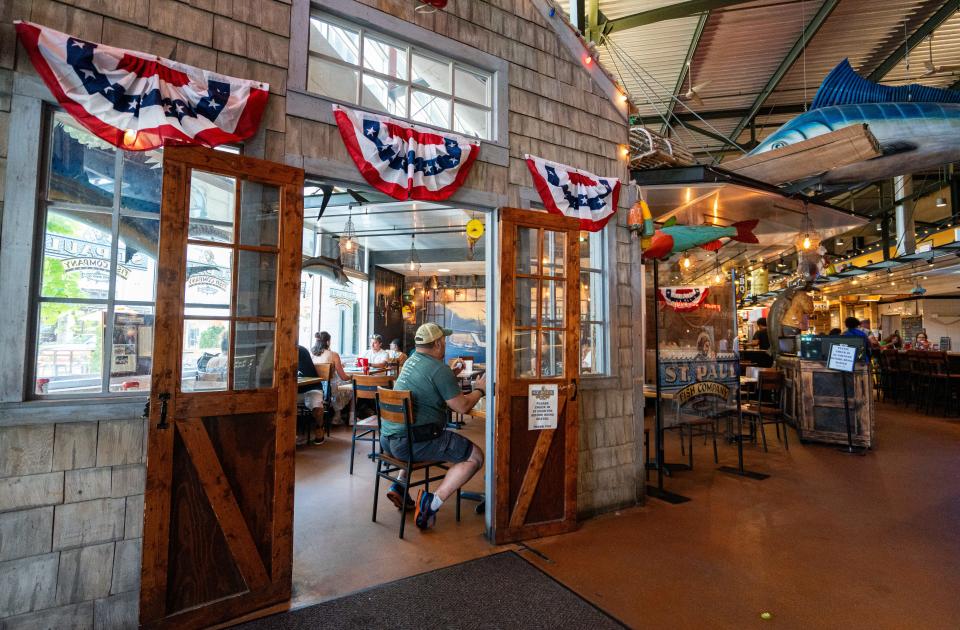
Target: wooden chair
pixel 325 371
pixel 767 408
pixel 396 407
pixel 367 429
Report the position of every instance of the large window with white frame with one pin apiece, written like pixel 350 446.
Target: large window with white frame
pixel 356 65
pixel 94 311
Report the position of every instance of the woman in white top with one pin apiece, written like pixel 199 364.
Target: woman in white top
pixel 323 354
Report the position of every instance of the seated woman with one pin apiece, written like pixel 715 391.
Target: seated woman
pixel 894 340
pixel 396 355
pixel 921 342
pixel 312 400
pixel 338 376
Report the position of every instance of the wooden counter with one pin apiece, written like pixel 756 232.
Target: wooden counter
pixel 814 402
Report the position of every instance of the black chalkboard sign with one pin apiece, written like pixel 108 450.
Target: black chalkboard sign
pixel 910 327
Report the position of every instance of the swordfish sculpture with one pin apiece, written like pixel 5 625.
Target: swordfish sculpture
pixel 916 126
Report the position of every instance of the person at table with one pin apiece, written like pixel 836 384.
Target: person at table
pixel 313 399
pixel 761 338
pixel 338 376
pixel 921 342
pixel 396 354
pixel 853 330
pixel 834 332
pixel 377 354
pixel 434 387
pixel 894 340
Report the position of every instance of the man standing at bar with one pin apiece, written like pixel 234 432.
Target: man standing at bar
pixel 434 387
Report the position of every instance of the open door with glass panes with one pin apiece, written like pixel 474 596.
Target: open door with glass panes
pixel 538 367
pixel 217 539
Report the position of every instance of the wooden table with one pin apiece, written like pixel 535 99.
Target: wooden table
pixel 305 383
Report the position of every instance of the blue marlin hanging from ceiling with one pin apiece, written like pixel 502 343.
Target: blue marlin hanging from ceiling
pixel 917 127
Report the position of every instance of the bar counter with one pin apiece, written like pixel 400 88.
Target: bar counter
pixel 814 401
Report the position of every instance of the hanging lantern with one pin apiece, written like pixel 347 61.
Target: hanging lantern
pixel 348 242
pixel 414 263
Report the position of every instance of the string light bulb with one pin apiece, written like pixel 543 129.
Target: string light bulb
pixel 686 261
pixel 806 242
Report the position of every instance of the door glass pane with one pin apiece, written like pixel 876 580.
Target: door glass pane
pixel 82 166
pixel 212 202
pixel 205 350
pixel 332 79
pixel 552 303
pixel 551 349
pixel 472 86
pixel 384 58
pixel 430 73
pixel 528 257
pixel 430 109
pixel 526 302
pixel 131 355
pixel 471 121
pixel 524 353
pixel 385 96
pixel 334 41
pixel 253 355
pixel 137 259
pixel 259 214
pixel 209 280
pixel 76 255
pixel 554 252
pixel 70 348
pixel 256 284
pixel 142 181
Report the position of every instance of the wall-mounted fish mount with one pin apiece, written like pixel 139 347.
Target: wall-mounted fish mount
pixel 330 268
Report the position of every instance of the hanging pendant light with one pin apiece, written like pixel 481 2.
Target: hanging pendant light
pixel 414 263
pixel 348 241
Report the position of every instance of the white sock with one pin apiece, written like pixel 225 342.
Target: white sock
pixel 437 502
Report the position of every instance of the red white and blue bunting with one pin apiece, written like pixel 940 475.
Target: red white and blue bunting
pixel 137 101
pixel 403 161
pixel 575 193
pixel 683 298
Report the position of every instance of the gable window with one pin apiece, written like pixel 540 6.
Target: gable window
pixel 355 65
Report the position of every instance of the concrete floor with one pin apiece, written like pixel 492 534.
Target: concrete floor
pixel 337 549
pixel 829 540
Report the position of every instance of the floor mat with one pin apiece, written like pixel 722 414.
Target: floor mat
pixel 498 591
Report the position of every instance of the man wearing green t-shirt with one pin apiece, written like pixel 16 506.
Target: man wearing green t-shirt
pixel 433 386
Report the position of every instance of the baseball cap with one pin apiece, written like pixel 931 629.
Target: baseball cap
pixel 430 332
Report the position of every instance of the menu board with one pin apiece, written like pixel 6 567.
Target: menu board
pixel 911 326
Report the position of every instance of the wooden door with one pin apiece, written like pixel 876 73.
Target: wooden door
pixel 217 538
pixel 538 344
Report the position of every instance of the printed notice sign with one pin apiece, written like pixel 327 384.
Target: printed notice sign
pixel 542 407
pixel 842 357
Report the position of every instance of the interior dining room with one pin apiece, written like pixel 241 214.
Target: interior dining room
pixel 378 268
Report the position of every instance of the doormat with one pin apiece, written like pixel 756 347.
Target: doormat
pixel 498 591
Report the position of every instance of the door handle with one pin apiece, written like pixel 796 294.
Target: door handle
pixel 573 385
pixel 164 398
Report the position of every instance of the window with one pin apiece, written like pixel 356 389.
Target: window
pixel 95 308
pixel 593 304
pixel 355 65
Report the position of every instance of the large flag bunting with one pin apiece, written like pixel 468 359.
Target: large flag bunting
pixel 137 101
pixel 683 298
pixel 402 161
pixel 575 193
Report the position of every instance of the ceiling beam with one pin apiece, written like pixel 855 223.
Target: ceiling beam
pixel 719 114
pixel 685 69
pixel 593 19
pixel 579 15
pixel 808 33
pixel 710 134
pixel 671 12
pixel 948 9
